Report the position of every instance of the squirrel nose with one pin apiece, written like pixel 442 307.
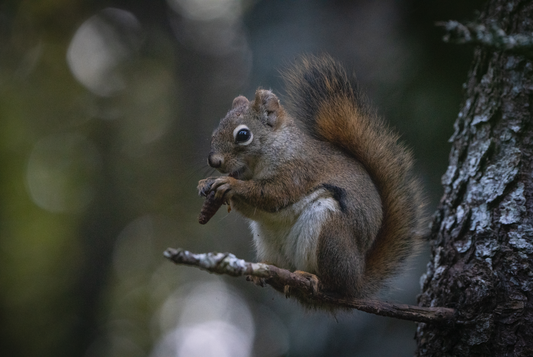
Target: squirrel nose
pixel 214 160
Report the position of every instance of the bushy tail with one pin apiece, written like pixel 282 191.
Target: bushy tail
pixel 323 101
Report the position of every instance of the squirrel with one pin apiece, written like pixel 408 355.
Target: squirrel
pixel 326 186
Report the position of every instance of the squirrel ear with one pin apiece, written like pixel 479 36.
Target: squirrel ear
pixel 240 101
pixel 267 102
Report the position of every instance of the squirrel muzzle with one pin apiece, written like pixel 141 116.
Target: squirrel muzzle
pixel 215 160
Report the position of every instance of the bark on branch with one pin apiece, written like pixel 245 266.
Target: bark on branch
pixel 491 36
pixel 229 264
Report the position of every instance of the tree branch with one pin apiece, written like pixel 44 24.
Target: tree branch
pixel 489 36
pixel 229 264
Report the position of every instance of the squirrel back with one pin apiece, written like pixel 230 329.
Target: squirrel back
pixel 324 103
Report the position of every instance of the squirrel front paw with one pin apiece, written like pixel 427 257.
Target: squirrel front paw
pixel 204 186
pixel 223 187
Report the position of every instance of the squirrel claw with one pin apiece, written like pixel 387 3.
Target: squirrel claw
pixel 223 187
pixel 204 186
pixel 287 291
pixel 256 280
pixel 223 192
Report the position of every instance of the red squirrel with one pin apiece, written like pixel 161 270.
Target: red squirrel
pixel 324 183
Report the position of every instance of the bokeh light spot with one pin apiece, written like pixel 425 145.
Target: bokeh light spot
pixel 213 321
pixel 206 10
pixel 99 46
pixel 61 172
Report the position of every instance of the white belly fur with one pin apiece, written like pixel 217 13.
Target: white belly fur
pixel 289 238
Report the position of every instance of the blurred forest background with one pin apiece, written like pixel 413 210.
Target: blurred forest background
pixel 106 109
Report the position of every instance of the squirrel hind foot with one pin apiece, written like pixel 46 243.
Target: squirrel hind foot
pixel 312 278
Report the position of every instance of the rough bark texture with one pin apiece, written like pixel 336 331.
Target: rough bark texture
pixel 482 235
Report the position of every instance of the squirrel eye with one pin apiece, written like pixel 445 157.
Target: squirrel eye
pixel 242 135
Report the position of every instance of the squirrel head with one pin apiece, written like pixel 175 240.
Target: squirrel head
pixel 237 144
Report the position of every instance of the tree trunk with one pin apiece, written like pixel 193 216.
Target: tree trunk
pixel 482 233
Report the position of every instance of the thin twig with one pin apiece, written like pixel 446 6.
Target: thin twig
pixel 491 36
pixel 229 264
